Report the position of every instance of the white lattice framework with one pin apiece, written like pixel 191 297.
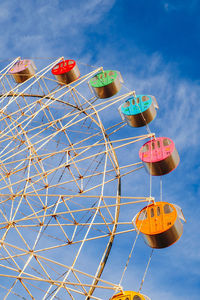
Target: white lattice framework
pixel 59 187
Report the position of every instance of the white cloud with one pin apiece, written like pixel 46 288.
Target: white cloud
pixel 188 6
pixel 48 26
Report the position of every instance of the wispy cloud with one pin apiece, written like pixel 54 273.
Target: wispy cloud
pixel 40 27
pixel 170 6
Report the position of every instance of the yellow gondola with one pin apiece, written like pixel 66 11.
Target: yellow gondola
pixel 129 295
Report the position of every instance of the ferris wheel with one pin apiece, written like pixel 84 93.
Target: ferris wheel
pixel 60 180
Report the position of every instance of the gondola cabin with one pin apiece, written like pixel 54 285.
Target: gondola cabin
pixel 129 295
pixel 159 156
pixel 106 83
pixel 22 70
pixel 139 110
pixel 66 71
pixel 160 224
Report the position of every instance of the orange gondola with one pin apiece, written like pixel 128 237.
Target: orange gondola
pixel 160 224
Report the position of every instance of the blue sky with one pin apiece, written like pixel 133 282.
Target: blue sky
pixel 155 45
